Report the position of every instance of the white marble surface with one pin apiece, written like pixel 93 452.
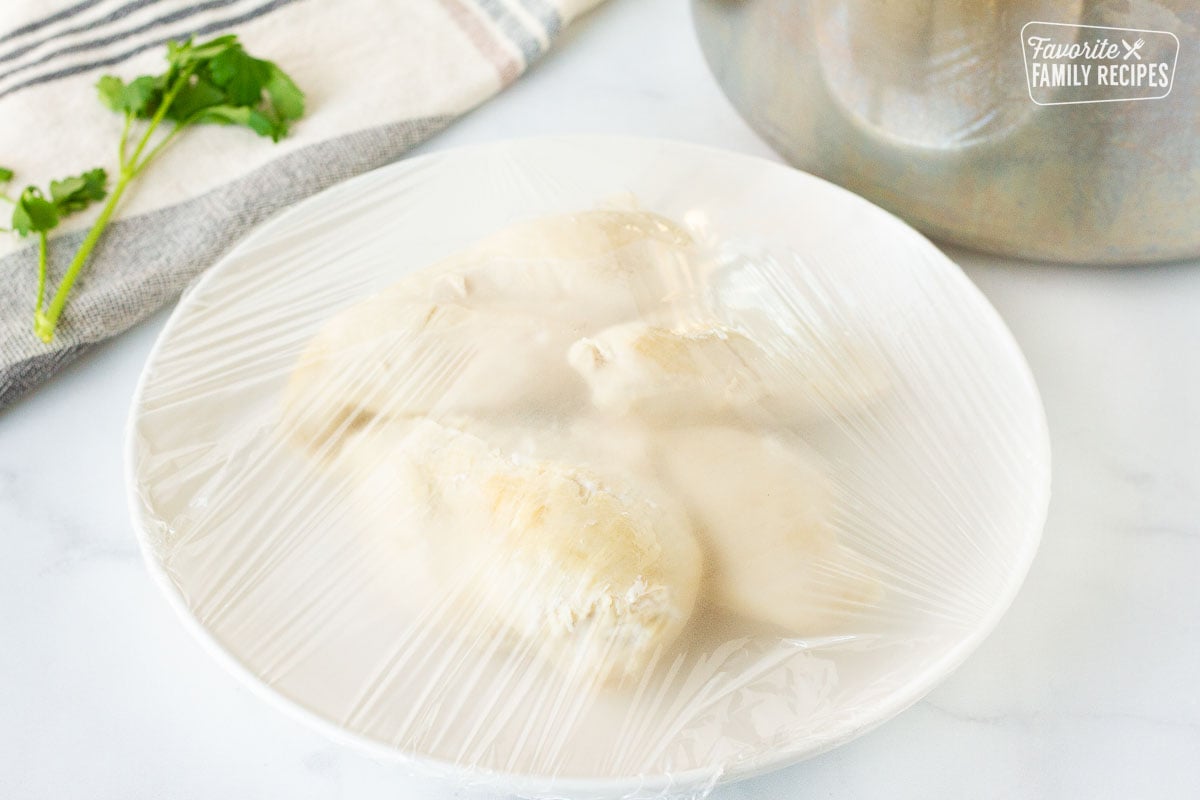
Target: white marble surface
pixel 1088 689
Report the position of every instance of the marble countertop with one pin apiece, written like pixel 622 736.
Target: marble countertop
pixel 1088 688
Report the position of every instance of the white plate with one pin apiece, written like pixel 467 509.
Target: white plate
pixel 950 482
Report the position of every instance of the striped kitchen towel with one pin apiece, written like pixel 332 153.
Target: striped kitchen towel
pixel 380 76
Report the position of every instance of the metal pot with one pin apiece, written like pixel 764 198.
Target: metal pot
pixel 930 108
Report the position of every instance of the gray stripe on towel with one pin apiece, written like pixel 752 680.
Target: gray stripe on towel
pixel 546 14
pixel 144 262
pixel 115 15
pixel 217 25
pixel 513 29
pixel 58 16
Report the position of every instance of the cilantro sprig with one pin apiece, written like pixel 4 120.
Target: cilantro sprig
pixel 213 82
pixel 34 212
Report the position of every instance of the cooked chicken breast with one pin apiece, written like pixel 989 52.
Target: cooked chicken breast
pixel 486 330
pixel 564 428
pixel 596 573
pixel 763 511
pixel 418 358
pixel 708 371
pixel 669 376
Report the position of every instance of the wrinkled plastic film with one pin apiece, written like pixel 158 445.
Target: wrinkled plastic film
pixel 589 470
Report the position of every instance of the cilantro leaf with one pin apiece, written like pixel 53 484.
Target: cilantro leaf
pixel 251 118
pixel 77 193
pixel 195 96
pixel 181 54
pixel 61 191
pixel 139 97
pixel 228 86
pixel 112 92
pixel 33 213
pixel 6 174
pixel 242 76
pixel 143 95
pixel 286 97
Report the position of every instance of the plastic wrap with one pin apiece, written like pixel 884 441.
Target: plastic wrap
pixel 588 467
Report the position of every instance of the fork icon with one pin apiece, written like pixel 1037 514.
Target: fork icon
pixel 1132 49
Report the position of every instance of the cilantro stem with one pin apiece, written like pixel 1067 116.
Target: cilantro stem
pixel 41 290
pixel 179 126
pixel 124 139
pixel 45 322
pixel 161 112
